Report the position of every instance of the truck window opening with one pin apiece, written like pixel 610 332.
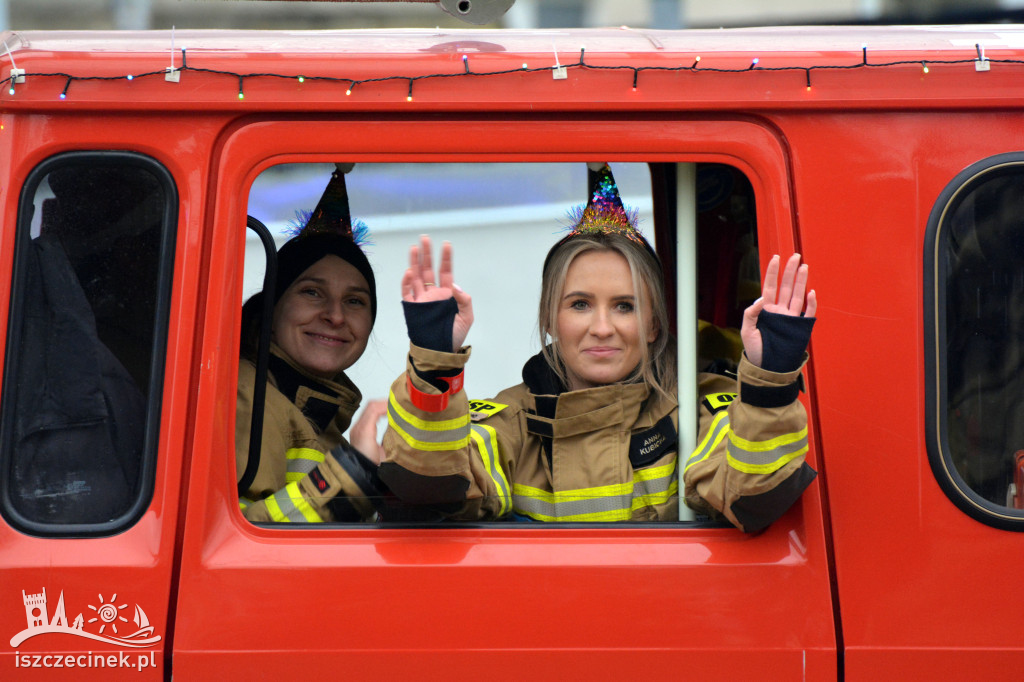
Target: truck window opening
pixel 518 210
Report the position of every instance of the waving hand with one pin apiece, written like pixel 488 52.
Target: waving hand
pixel 419 285
pixel 788 297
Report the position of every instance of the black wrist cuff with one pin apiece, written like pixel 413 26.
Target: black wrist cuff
pixel 784 339
pixel 430 323
pixel 770 396
pixel 361 469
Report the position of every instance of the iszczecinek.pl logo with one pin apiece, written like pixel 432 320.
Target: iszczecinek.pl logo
pixel 106 622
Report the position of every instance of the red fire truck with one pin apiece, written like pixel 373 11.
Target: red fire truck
pixel 891 158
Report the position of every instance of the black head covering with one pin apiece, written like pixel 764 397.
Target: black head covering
pixel 300 252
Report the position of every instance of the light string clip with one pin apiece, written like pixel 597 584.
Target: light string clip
pixel 559 72
pixel 173 75
pixel 981 63
pixel 17 75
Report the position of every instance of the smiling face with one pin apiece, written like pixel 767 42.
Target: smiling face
pixel 599 333
pixel 323 319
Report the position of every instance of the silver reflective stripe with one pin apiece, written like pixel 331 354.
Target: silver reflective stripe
pixel 487 435
pixel 301 465
pixel 653 486
pixel 288 509
pixel 565 509
pixel 761 458
pixel 442 435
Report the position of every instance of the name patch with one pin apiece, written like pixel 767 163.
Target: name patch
pixel 647 447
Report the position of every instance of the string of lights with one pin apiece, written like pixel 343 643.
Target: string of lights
pixel 558 71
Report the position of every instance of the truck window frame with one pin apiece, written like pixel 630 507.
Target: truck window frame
pixel 662 233
pixel 937 382
pixel 153 392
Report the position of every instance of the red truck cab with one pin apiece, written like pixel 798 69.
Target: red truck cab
pixel 891 158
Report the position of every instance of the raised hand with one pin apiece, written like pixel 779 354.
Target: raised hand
pixel 420 285
pixel 363 434
pixel 790 297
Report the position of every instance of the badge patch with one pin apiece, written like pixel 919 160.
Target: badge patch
pixel 716 402
pixel 318 480
pixel 482 409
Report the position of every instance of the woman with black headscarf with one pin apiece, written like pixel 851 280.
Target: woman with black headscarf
pixel 325 304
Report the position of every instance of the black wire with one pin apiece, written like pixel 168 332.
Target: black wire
pixel 635 70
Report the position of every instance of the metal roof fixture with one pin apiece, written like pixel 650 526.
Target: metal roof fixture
pixel 471 11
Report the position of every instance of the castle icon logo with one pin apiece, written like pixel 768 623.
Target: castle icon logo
pixel 105 621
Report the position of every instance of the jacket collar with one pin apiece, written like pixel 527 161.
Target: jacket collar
pixel 318 399
pixel 552 398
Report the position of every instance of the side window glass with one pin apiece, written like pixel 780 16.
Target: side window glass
pixel 975 328
pixel 86 343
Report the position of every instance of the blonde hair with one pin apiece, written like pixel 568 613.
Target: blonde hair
pixel 657 364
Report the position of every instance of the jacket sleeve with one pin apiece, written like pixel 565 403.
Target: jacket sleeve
pixel 749 463
pixel 441 459
pixel 295 481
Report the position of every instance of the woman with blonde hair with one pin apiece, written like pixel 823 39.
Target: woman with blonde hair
pixel 591 433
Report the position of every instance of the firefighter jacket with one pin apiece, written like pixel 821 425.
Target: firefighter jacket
pixel 600 454
pixel 749 462
pixel 303 475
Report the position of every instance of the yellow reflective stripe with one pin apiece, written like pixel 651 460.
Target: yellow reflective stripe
pixel 654 472
pixel 765 457
pixel 488 449
pixel 243 502
pixel 428 436
pixel 719 429
pixel 609 490
pixel 305 453
pixel 274 510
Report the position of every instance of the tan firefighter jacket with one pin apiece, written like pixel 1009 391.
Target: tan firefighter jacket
pixel 304 419
pixel 600 454
pixel 749 463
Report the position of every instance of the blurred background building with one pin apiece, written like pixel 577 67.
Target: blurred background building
pixel 160 14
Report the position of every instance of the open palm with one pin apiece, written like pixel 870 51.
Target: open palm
pixel 419 285
pixel 788 297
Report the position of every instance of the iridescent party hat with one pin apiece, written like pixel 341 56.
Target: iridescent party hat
pixel 604 211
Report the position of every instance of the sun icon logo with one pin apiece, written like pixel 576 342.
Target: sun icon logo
pixel 108 614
